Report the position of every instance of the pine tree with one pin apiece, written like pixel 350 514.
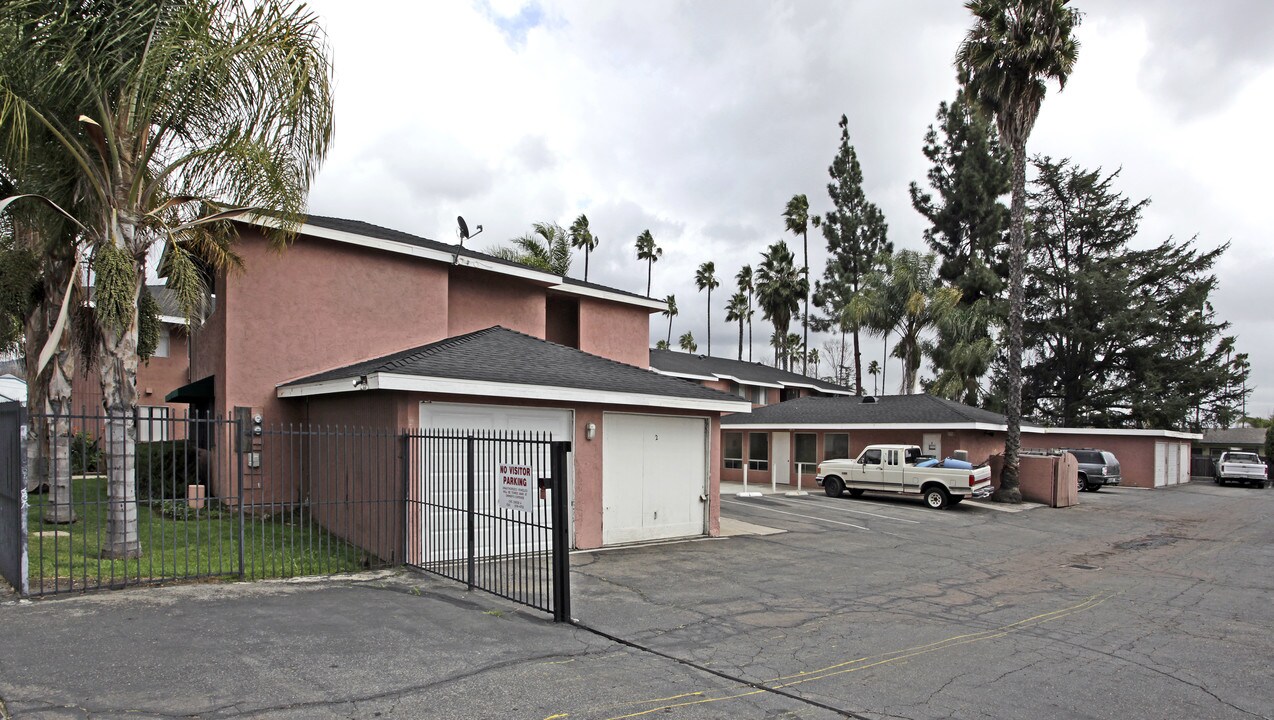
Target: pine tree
pixel 855 231
pixel 968 225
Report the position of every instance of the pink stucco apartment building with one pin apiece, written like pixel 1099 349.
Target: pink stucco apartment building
pixel 355 324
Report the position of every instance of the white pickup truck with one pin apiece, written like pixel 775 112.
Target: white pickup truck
pixel 901 469
pixel 1242 468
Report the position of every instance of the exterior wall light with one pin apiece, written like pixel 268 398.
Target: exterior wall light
pixel 590 430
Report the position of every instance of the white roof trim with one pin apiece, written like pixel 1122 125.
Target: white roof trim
pixel 1114 431
pixel 1030 429
pixel 685 376
pixel 482 388
pixel 754 383
pixel 648 303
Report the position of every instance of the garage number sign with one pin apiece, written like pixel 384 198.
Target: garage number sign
pixel 516 490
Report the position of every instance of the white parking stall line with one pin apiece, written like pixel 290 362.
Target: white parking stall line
pixel 784 512
pixel 864 512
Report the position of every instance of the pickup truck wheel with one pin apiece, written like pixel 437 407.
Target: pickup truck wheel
pixel 937 498
pixel 855 492
pixel 833 487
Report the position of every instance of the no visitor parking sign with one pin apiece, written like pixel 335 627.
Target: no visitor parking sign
pixel 515 489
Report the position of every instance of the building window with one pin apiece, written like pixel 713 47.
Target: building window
pixel 759 451
pixel 733 450
pixel 161 348
pixel 835 446
pixel 152 423
pixel 806 452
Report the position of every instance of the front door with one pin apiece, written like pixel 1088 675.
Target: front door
pixel 931 445
pixel 781 465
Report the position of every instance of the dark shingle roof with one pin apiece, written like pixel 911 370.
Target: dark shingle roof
pixel 167 300
pixel 1234 436
pixel 498 354
pixel 888 409
pixel 358 227
pixel 688 364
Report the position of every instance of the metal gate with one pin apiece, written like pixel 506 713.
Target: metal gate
pixel 13 498
pixel 490 509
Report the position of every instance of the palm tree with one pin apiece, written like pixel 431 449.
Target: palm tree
pixel 744 278
pixel 706 279
pixel 670 312
pixel 796 216
pixel 662 345
pixel 908 300
pixel 779 288
pixel 1004 62
pixel 648 251
pixel 873 369
pixel 737 309
pixel 196 106
pixel 546 248
pixel 583 239
pixel 687 341
pixel 970 354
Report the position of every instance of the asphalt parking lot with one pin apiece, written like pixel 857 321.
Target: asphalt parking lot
pixel 1136 604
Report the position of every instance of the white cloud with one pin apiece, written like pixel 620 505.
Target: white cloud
pixel 699 120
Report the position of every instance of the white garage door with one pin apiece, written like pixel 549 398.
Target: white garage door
pixel 444 472
pixel 654 474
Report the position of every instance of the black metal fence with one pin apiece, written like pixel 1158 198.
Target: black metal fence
pixel 491 510
pixel 13 529
pixel 122 501
pixel 208 498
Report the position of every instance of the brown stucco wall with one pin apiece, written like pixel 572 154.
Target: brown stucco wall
pixel 979 445
pixel 318 305
pixel 477 300
pixel 403 409
pixel 618 332
pixel 1136 454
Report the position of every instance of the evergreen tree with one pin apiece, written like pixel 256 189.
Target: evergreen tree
pixel 969 173
pixel 855 231
pixel 1117 337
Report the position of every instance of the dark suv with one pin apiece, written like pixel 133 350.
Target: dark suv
pixel 1097 468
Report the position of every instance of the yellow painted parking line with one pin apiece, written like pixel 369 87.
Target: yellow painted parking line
pixel 862 663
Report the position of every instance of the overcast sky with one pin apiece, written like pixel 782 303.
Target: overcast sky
pixel 698 120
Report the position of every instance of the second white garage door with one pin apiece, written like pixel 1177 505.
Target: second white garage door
pixel 654 476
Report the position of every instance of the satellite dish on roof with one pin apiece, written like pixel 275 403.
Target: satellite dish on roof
pixel 464 230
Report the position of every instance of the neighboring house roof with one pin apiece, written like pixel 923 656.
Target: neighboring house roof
pixel 895 410
pixel 13 389
pixel 1234 436
pixel 498 362
pixel 365 234
pixel 703 367
pixel 169 308
pixel 901 412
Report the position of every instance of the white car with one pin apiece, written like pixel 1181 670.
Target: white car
pixel 901 469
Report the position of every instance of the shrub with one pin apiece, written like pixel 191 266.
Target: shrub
pixel 86 454
pixel 166 467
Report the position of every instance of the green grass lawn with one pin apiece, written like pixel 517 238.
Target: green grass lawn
pixel 178 543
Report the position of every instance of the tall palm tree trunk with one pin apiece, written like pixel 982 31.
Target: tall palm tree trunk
pixel 648 268
pixel 669 340
pixel 586 254
pixel 740 339
pixel 117 353
pixel 709 322
pixel 49 401
pixel 858 365
pixel 805 317
pixel 749 327
pixel 1010 484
